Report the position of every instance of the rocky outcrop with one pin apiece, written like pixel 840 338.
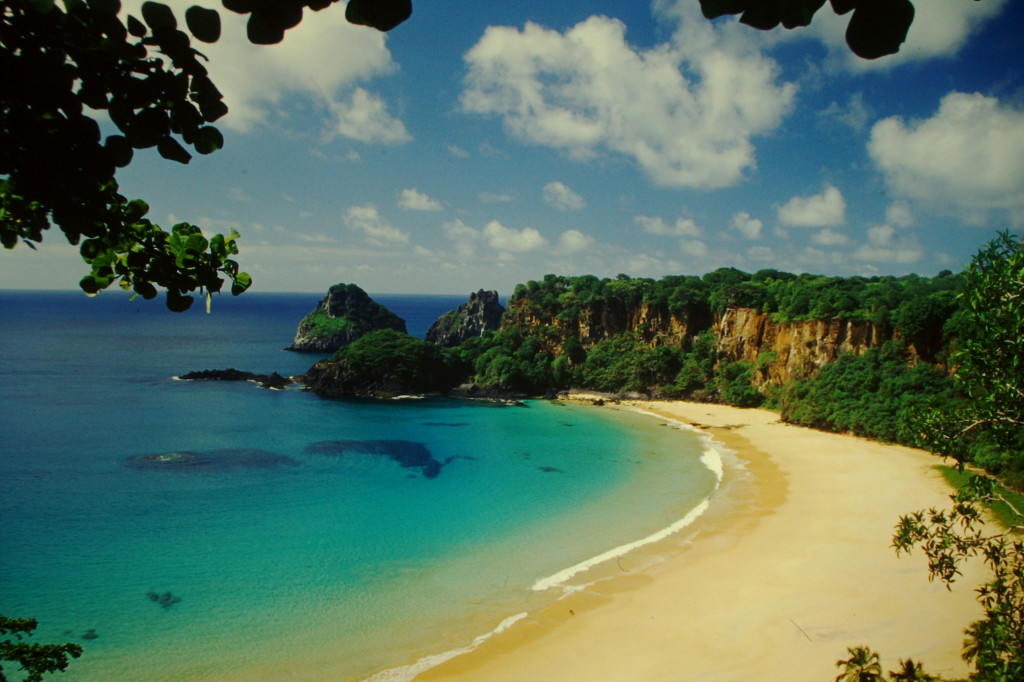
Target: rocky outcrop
pixel 345 314
pixel 272 380
pixel 482 312
pixel 787 351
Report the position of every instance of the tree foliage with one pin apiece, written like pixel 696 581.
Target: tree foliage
pixel 877 27
pixel 78 62
pixel 33 659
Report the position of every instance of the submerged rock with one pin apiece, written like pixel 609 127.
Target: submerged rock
pixel 408 454
pixel 210 460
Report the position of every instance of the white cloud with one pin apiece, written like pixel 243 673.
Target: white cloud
pixel 508 239
pixel 683 227
pixel 574 241
pixel 821 210
pixel 854 114
pixel 458 152
pixel 321 59
pixel 684 111
pixel 899 214
pixel 829 237
pixel 968 158
pixel 749 227
pixel 694 247
pixel 364 117
pixel 885 245
pixel 415 200
pixel 560 196
pixel 368 221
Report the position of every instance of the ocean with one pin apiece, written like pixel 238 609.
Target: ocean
pixel 185 530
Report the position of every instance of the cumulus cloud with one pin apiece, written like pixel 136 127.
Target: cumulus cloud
pixel 886 245
pixel 368 221
pixel 682 227
pixel 415 200
pixel 684 111
pixel 321 59
pixel 749 227
pixel 364 117
pixel 899 214
pixel 829 237
pixel 574 241
pixel 968 158
pixel 508 239
pixel 821 210
pixel 560 196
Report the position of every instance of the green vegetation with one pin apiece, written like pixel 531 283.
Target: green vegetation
pixel 34 660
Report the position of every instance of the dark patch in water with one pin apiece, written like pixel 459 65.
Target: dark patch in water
pixel 90 634
pixel 446 423
pixel 210 460
pixel 551 470
pixel 166 600
pixel 408 454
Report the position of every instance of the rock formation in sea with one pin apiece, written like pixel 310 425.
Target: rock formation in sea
pixel 482 312
pixel 345 314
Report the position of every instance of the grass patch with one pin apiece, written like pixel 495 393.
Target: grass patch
pixel 1004 515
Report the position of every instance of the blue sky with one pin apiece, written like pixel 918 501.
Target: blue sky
pixel 482 144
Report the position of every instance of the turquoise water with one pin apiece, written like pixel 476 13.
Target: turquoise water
pixel 209 530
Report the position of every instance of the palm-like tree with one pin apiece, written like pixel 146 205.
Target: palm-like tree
pixel 862 666
pixel 910 672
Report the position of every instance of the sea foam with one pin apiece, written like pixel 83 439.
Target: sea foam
pixel 710 457
pixel 408 672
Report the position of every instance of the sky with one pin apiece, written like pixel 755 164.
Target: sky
pixel 482 144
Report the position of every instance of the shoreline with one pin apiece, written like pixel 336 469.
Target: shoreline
pixel 788 566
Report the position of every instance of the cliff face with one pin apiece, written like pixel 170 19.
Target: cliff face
pixel 482 312
pixel 592 323
pixel 782 351
pixel 345 314
pixel 787 351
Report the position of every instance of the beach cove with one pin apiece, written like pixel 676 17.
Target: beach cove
pixel 789 567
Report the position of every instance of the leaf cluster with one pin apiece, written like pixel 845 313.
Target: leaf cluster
pixel 57 168
pixel 877 27
pixel 34 659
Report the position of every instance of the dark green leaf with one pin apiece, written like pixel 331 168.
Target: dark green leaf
pixel 262 30
pixel 843 6
pixel 159 16
pixel 208 140
pixel 148 127
pixel 135 209
pixel 717 8
pixel 239 6
pixel 170 148
pixel 119 150
pixel 382 15
pixel 146 290
pixel 878 27
pixel 203 23
pixel 111 7
pixel 178 303
pixel 241 282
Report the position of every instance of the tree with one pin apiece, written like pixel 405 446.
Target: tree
pixel 61 66
pixel 35 659
pixel 910 671
pixel 862 666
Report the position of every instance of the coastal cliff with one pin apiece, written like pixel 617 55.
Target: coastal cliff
pixel 345 314
pixel 787 351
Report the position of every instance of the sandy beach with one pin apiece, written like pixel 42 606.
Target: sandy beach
pixel 791 565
